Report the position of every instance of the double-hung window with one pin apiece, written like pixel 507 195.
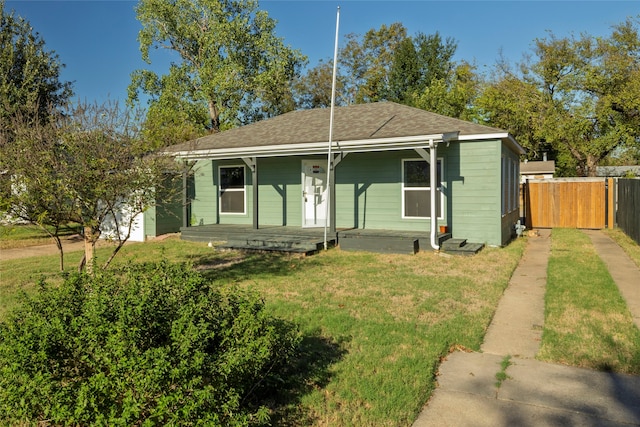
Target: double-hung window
pixel 416 189
pixel 232 190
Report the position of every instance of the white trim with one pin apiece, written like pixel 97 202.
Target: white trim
pixel 502 136
pixel 365 145
pixel 303 176
pixel 233 190
pixel 425 189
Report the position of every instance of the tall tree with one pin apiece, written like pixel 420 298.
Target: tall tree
pixel 313 90
pixel 232 65
pixel 30 87
pixel 404 75
pixel 423 74
pixel 366 62
pixel 452 95
pixel 36 192
pixel 580 97
pixel 29 73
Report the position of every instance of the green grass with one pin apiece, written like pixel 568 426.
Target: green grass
pixel 587 322
pixel 18 236
pixel 375 327
pixel 501 375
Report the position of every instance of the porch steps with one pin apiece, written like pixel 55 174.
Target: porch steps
pixel 460 247
pixel 386 242
pixel 288 244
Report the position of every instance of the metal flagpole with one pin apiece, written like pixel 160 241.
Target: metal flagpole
pixel 333 101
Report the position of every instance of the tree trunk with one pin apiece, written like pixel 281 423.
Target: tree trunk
pixel 60 251
pixel 90 237
pixel 592 164
pixel 214 114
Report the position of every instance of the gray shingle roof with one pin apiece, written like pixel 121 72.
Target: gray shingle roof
pixel 351 123
pixel 534 167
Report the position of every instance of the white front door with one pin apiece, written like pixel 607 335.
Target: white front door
pixel 314 193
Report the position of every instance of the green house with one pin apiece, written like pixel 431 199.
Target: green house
pixel 391 168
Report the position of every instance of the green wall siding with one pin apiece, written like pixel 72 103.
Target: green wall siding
pixel 166 216
pixel 204 202
pixel 150 222
pixel 280 195
pixel 369 192
pixel 473 179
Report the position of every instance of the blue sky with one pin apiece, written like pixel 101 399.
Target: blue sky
pixel 97 40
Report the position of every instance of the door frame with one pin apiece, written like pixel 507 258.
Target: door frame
pixel 303 175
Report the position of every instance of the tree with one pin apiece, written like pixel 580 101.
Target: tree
pixel 29 77
pixel 404 75
pixel 313 90
pixel 29 74
pixel 35 161
pixel 232 64
pixel 452 95
pixel 580 97
pixel 386 64
pixel 85 164
pixel 366 62
pixel 418 62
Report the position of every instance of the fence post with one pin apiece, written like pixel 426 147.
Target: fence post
pixel 611 206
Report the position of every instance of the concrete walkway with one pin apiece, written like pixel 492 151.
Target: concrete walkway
pixel 535 393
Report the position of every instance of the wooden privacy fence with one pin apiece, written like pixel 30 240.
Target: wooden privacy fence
pixel 628 214
pixel 569 203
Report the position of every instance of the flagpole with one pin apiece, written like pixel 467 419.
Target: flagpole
pixel 333 101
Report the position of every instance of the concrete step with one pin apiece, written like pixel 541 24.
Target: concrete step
pixel 453 244
pixel 467 249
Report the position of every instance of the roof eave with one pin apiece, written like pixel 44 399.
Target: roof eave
pixel 353 146
pixel 504 136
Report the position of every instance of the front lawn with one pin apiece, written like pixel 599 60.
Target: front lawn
pixel 375 327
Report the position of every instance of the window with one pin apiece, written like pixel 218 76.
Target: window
pixel 232 190
pixel 505 185
pixel 509 185
pixel 416 189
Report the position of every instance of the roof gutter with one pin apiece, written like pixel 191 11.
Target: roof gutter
pixel 366 145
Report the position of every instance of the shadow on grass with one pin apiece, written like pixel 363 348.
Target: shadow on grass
pixel 310 369
pixel 308 372
pixel 241 266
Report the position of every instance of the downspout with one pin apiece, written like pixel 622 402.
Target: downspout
pixel 433 179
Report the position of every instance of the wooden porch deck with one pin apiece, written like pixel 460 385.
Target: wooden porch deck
pixel 309 240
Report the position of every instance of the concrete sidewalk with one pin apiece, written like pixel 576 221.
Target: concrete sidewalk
pixel 534 393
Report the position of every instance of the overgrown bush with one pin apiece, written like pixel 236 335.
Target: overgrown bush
pixel 152 344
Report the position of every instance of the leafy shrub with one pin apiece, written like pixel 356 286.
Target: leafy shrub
pixel 151 344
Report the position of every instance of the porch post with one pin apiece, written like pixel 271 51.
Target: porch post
pixel 335 161
pixel 185 197
pixel 252 162
pixel 332 198
pixel 254 179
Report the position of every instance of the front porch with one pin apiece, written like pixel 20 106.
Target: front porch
pixel 311 240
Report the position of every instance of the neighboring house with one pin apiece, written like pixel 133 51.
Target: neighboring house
pixel 165 216
pixel 618 171
pixel 382 174
pixel 537 170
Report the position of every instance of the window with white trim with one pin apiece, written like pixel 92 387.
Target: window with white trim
pixel 416 189
pixel 509 185
pixel 232 198
pixel 515 185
